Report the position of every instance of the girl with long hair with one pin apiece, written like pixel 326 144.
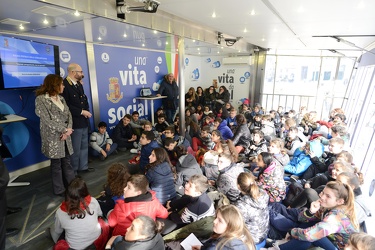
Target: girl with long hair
pixel 200 96
pixel 230 231
pixel 191 98
pixel 335 216
pixel 78 216
pixel 160 174
pixel 117 178
pixel 271 177
pixel 253 203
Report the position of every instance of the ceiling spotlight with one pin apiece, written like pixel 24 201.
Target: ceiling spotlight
pixel 143 45
pixel 245 30
pixel 99 38
pixel 213 15
pixel 155 31
pixel 125 35
pixel 76 13
pixel 166 43
pixel 45 21
pixel 21 27
pixel 252 13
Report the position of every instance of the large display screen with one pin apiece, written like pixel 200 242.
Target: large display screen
pixel 25 64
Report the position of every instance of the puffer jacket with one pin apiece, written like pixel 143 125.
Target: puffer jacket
pixel 154 243
pixel 242 136
pixel 255 214
pixel 227 181
pixel 186 167
pixel 234 244
pixel 272 181
pixel 127 210
pixel 161 181
pixel 225 131
pixel 301 161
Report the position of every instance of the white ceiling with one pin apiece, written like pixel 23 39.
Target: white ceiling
pixel 276 24
pixel 285 24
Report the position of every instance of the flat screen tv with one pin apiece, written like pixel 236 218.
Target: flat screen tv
pixel 25 64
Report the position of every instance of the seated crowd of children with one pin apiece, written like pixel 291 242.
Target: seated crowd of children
pixel 234 180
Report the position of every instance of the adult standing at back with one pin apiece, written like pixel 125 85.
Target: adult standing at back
pixel 169 88
pixel 79 108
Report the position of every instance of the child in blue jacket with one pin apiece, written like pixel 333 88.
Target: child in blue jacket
pixel 301 158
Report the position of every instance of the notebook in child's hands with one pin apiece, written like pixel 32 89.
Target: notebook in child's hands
pixel 190 241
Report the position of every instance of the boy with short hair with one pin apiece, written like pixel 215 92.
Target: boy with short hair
pixel 138 200
pixel 162 124
pixel 336 146
pixel 100 143
pixel 222 126
pixel 123 134
pixel 293 141
pixel 148 143
pixel 204 140
pixel 137 124
pixel 231 120
pixel 195 202
pixel 257 144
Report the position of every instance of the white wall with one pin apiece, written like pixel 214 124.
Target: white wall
pixel 201 71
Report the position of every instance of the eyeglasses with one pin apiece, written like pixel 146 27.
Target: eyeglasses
pixel 78 71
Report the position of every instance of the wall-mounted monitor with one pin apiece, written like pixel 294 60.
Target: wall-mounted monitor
pixel 25 63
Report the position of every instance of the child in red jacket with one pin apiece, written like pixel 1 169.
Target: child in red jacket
pixel 137 201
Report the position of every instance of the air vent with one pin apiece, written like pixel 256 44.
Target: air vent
pixel 50 11
pixel 12 21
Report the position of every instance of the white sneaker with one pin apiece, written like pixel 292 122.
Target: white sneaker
pixel 134 151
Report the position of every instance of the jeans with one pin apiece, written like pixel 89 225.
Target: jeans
pixel 80 140
pixel 111 150
pixel 170 113
pixel 62 173
pixel 294 244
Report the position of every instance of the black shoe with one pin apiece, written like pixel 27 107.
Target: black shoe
pixel 13 210
pixel 89 169
pixel 11 232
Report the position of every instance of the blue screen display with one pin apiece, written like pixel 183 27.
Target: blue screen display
pixel 25 64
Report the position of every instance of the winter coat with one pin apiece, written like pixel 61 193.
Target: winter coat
pixel 260 147
pixel 145 154
pixel 301 161
pixel 172 93
pixel 255 214
pixel 235 244
pixel 154 243
pixel 225 131
pixel 161 181
pixel 242 136
pixel 186 167
pixel 272 181
pixel 122 134
pixel 282 159
pixel 127 210
pixel 227 181
pixel 225 96
pixel 53 123
pixel 268 129
pixel 333 223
